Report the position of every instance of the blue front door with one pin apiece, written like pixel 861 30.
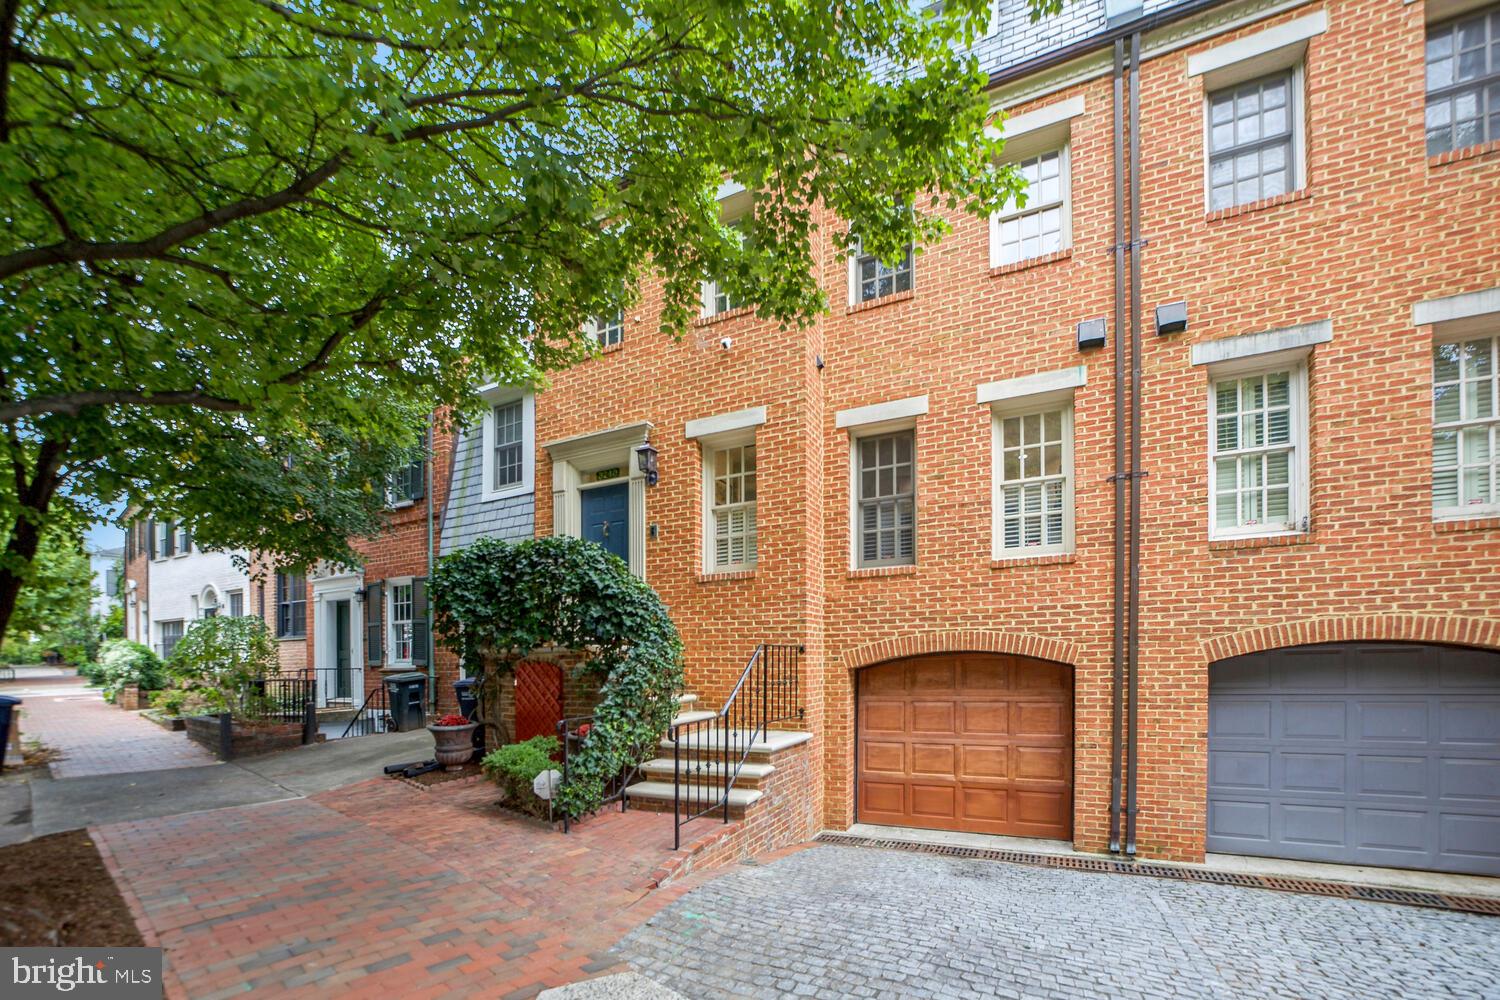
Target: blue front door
pixel 606 517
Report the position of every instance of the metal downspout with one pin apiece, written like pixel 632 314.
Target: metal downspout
pixel 431 470
pixel 1132 658
pixel 1118 478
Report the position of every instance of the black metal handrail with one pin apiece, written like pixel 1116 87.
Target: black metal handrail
pixel 614 789
pixel 717 746
pixel 374 716
pixel 280 698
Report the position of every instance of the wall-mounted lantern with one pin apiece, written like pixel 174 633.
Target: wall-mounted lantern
pixel 645 461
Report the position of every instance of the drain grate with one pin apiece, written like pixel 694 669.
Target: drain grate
pixel 1342 890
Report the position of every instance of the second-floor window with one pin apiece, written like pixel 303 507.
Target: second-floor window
pixel 407 484
pixel 731 514
pixel 870 279
pixel 1256 486
pixel 1463 82
pixel 235 603
pixel 885 475
pixel 508 454
pixel 1033 482
pixel 401 619
pixel 1251 141
pixel 1039 227
pixel 291 605
pixel 1466 427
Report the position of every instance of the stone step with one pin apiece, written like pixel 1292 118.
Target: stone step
pixel 683 718
pixel 775 741
pixel 661 769
pixel 663 791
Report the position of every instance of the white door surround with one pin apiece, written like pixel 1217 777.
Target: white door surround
pixel 324 592
pixel 577 461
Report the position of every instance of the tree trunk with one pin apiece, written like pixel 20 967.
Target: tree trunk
pixel 34 499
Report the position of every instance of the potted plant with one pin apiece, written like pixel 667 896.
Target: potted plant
pixel 453 736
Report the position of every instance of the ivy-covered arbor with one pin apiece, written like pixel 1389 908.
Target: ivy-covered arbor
pixel 496 602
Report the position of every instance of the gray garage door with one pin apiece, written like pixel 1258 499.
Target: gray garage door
pixel 1373 754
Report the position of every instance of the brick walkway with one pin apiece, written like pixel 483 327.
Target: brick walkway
pixel 858 922
pixel 93 736
pixel 381 889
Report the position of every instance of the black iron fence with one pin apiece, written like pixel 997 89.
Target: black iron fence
pixel 281 699
pixel 374 715
pixel 338 686
pixel 708 754
pixel 571 733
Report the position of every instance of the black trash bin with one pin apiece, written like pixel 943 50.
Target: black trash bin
pixel 7 711
pixel 408 699
pixel 468 707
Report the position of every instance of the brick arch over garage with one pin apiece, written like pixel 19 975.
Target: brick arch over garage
pixel 1439 629
pixel 1013 643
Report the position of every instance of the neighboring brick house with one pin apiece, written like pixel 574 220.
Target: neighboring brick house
pixel 920 488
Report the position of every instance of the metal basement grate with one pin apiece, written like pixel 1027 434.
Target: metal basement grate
pixel 1341 890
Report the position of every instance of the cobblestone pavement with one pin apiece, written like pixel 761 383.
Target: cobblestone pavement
pixel 380 889
pixel 93 736
pixel 858 922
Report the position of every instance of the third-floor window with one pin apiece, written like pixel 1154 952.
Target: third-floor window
pixel 1251 141
pixel 1463 82
pixel 1040 227
pixel 1466 427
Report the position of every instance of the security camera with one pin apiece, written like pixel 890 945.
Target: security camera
pixel 726 342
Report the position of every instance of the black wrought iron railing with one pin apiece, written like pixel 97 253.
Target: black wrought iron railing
pixel 286 699
pixel 374 715
pixel 571 733
pixel 708 754
pixel 338 687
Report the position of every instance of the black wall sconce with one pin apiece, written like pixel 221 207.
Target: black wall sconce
pixel 645 461
pixel 1171 318
pixel 1091 333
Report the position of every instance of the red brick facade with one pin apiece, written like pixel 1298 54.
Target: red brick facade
pixel 1377 227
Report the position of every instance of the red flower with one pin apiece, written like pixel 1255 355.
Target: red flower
pixel 451 720
pixel 583 730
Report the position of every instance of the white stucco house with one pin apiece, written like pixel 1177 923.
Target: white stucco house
pixel 186 583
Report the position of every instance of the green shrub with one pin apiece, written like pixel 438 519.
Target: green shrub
pixel 185 701
pixel 124 662
pixel 515 766
pixel 222 658
pixel 91 671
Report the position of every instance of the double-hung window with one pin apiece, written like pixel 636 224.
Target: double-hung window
pixel 291 605
pixel 508 451
pixel 1040 226
pixel 236 603
pixel 1034 481
pixel 609 330
pixel 1257 483
pixel 171 635
pixel 400 604
pixel 885 477
pixel 407 484
pixel 1463 82
pixel 731 508
pixel 871 279
pixel 1252 141
pixel 1466 427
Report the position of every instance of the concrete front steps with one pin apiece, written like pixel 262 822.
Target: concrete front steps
pixel 705 760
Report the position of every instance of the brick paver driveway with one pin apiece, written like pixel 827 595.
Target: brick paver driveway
pixel 93 736
pixel 382 890
pixel 860 922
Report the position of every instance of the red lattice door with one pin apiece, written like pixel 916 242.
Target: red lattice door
pixel 539 699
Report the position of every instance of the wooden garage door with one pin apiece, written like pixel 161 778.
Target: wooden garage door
pixel 974 742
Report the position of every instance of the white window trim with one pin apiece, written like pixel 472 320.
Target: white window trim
pixel 1065 182
pixel 735 202
pixel 1043 402
pixel 1042 119
pixel 390 619
pixel 1456 331
pixel 1259 54
pixel 1297 103
pixel 1296 366
pixel 739 420
pixel 494 396
pixel 875 421
pixel 593 330
pixel 710 444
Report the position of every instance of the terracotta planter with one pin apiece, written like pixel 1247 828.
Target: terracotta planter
pixel 454 744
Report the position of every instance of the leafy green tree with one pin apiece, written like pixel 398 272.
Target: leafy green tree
pixel 249 244
pixel 59 584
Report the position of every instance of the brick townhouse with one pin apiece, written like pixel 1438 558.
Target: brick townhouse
pixel 922 488
pixel 1247 602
